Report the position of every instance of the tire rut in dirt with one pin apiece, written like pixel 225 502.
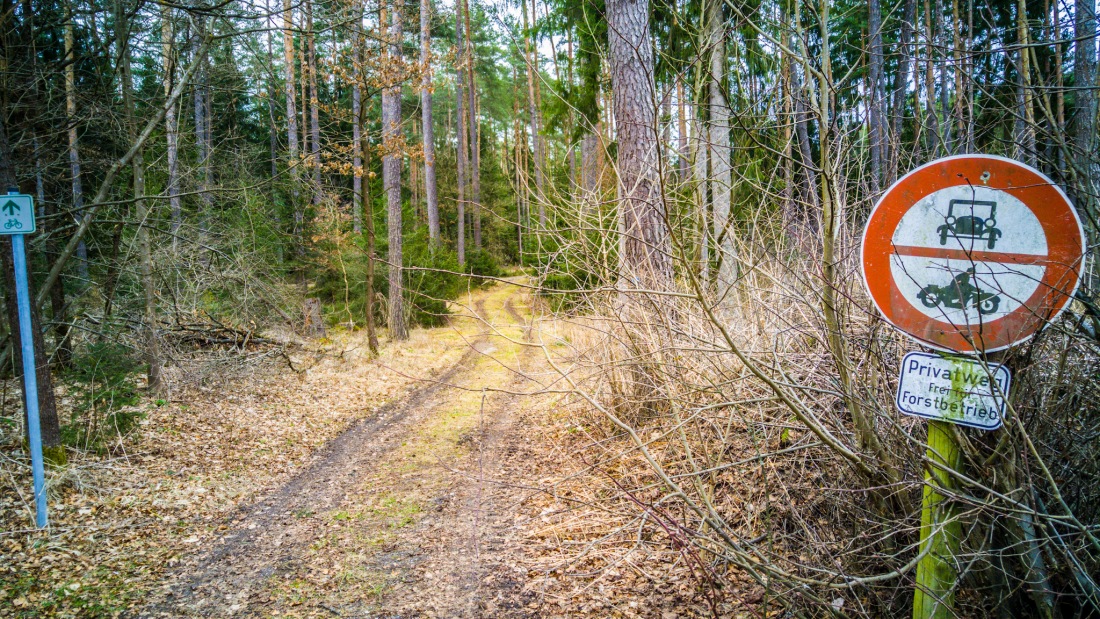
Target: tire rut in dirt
pixel 461 566
pixel 255 549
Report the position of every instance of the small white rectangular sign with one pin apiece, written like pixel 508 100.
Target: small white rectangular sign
pixel 953 389
pixel 16 213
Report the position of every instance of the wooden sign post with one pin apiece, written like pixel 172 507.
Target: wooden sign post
pixel 970 254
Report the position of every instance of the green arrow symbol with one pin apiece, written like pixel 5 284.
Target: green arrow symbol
pixel 10 207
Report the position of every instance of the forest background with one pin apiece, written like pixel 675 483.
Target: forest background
pixel 206 171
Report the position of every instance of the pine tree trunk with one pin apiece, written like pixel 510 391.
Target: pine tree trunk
pixel 474 128
pixel 314 104
pixel 368 215
pixel 702 219
pixel 1025 119
pixel 391 176
pixel 532 72
pixel 357 121
pixel 292 126
pixel 431 191
pixel 1084 115
pixel 932 129
pixel 463 146
pixel 901 82
pixel 645 259
pixel 877 104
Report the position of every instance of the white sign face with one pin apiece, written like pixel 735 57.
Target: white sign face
pixel 16 214
pixel 972 253
pixel 969 285
pixel 953 389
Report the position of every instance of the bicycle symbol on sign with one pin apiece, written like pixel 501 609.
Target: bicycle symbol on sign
pixel 13 223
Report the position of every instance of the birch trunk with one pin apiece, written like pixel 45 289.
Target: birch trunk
pixel 681 128
pixel 720 179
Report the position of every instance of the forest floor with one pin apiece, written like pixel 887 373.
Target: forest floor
pixel 321 482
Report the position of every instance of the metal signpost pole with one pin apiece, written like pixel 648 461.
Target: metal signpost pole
pixel 25 207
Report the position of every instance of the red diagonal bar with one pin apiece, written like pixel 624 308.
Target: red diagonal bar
pixel 975 255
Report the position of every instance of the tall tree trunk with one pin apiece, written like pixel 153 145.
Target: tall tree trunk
pixel 47 405
pixel 901 82
pixel 463 146
pixel 645 258
pixel 681 129
pixel 171 124
pixel 517 169
pixel 314 104
pixel 474 127
pixel 292 126
pixel 391 176
pixel 699 172
pixel 877 104
pixel 431 191
pixel 202 131
pixel 721 177
pixel 1084 114
pixel 74 149
pixel 933 123
pixel 149 325
pixel 368 215
pixel 357 120
pixel 532 72
pixel 1025 119
pixel 273 126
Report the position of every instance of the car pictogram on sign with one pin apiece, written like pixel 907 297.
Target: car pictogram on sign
pixel 972 253
pixel 962 222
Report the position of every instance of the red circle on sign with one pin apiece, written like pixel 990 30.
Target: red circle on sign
pixel 918 239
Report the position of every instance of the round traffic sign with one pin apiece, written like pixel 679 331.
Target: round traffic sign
pixel 972 253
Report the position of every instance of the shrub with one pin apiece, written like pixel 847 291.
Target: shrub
pixel 104 383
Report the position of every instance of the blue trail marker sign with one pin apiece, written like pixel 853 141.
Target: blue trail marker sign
pixel 16 214
pixel 17 220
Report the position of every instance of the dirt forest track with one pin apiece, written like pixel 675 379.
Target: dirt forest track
pixel 374 528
